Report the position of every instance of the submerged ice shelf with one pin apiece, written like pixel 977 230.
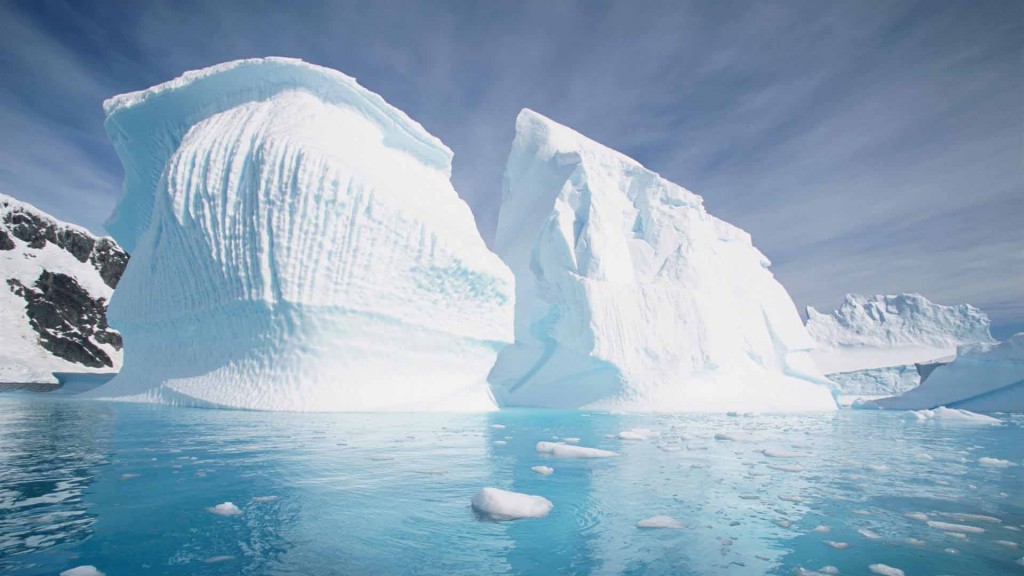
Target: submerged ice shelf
pixel 297 245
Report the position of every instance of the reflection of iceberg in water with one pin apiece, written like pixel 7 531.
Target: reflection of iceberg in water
pixel 49 454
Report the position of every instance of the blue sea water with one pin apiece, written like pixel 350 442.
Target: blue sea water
pixel 127 488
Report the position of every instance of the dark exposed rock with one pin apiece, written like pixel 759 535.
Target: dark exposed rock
pixel 70 323
pixel 108 258
pixel 5 241
pixel 80 245
pixel 30 228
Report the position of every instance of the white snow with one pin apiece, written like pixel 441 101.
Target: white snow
pixel 885 570
pixel 559 450
pixel 954 415
pixel 297 245
pixel 543 470
pixel 82 571
pixel 950 527
pixel 631 297
pixel 225 509
pixel 994 462
pixel 660 522
pixel 499 504
pixel 983 378
pixel 638 434
pixel 22 359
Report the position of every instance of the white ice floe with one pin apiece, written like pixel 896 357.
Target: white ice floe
pixel 779 453
pixel 500 442
pixel 543 470
pixel 885 570
pixel 734 437
pixel 1007 543
pixel 916 542
pixel 571 440
pixel 82 571
pixel 917 516
pixel 264 498
pixel 962 517
pixel 498 426
pixel 954 415
pixel 498 504
pixel 877 467
pixel 786 467
pixel 218 559
pixel 950 527
pixel 570 451
pixel 994 462
pixel 659 522
pixel 836 545
pixel 869 534
pixel 638 434
pixel 822 529
pixel 225 509
pixel 828 570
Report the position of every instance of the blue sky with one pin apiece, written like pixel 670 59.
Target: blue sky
pixel 873 146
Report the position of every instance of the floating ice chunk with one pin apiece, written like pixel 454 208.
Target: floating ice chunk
pixel 129 476
pixel 955 415
pixel 500 442
pixel 218 559
pixel 916 542
pixel 917 516
pixel 498 426
pixel 82 571
pixel 543 470
pixel 877 467
pixel 569 451
pixel 499 504
pixel 961 517
pixel 958 535
pixel 734 436
pixel 659 522
pixel 828 570
pixel 836 545
pixel 950 527
pixel 785 498
pixel 1007 543
pixel 225 509
pixel 571 440
pixel 669 448
pixel 869 534
pixel 777 453
pixel 994 462
pixel 786 467
pixel 264 498
pixel 822 529
pixel 638 434
pixel 885 570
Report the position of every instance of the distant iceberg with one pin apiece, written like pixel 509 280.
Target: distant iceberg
pixel 297 245
pixel 886 345
pixel 629 295
pixel 983 378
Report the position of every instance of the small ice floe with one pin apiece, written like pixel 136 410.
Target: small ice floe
pixel 862 512
pixel 669 448
pixel 225 509
pixel 734 437
pixel 218 559
pixel 82 571
pixel 500 442
pixel 917 516
pixel 570 451
pixel 828 570
pixel 950 527
pixel 265 498
pixel 571 440
pixel 1020 561
pixel 783 523
pixel 916 542
pixel 869 534
pixel 659 522
pixel 786 467
pixel 129 476
pixel 822 529
pixel 836 545
pixel 786 498
pixel 962 517
pixel 952 551
pixel 638 434
pixel 885 570
pixel 749 497
pixel 777 453
pixel 994 462
pixel 957 535
pixel 1007 543
pixel 498 504
pixel 877 467
pixel 498 426
pixel 955 415
pixel 543 470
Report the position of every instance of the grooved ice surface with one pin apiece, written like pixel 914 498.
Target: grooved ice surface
pixel 297 246
pixel 629 295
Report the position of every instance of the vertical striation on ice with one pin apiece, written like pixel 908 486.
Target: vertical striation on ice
pixel 629 295
pixel 297 245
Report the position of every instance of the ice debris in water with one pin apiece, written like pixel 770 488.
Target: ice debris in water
pixel 962 517
pixel 264 498
pixel 836 545
pixel 218 559
pixel 917 516
pixel 225 509
pixel 954 415
pixel 949 527
pixel 994 462
pixel 543 470
pixel 659 522
pixel 498 426
pixel 777 453
pixel 82 571
pixel 821 529
pixel 869 534
pixel 885 570
pixel 569 451
pixel 498 504
pixel 638 434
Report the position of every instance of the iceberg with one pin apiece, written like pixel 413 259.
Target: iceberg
pixel 630 296
pixel 297 245
pixel 983 378
pixel 886 345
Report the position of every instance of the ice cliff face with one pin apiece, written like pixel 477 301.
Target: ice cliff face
pixel 57 280
pixel 985 377
pixel 297 245
pixel 629 295
pixel 882 344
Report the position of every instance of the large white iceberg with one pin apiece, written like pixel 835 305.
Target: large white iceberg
pixel 297 245
pixel 983 378
pixel 629 295
pixel 886 345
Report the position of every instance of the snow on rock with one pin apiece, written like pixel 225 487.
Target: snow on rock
pixel 497 504
pixel 983 378
pixel 630 296
pixel 660 522
pixel 55 282
pixel 885 570
pixel 559 450
pixel 82 571
pixel 543 470
pixel 225 509
pixel 297 245
pixel 886 345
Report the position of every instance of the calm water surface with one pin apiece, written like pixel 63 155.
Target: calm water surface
pixel 127 488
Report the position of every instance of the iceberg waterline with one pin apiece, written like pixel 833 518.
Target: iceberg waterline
pixel 298 246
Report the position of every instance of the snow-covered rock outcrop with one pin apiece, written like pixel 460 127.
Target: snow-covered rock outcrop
pixel 885 345
pixel 629 295
pixel 297 245
pixel 983 378
pixel 57 280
